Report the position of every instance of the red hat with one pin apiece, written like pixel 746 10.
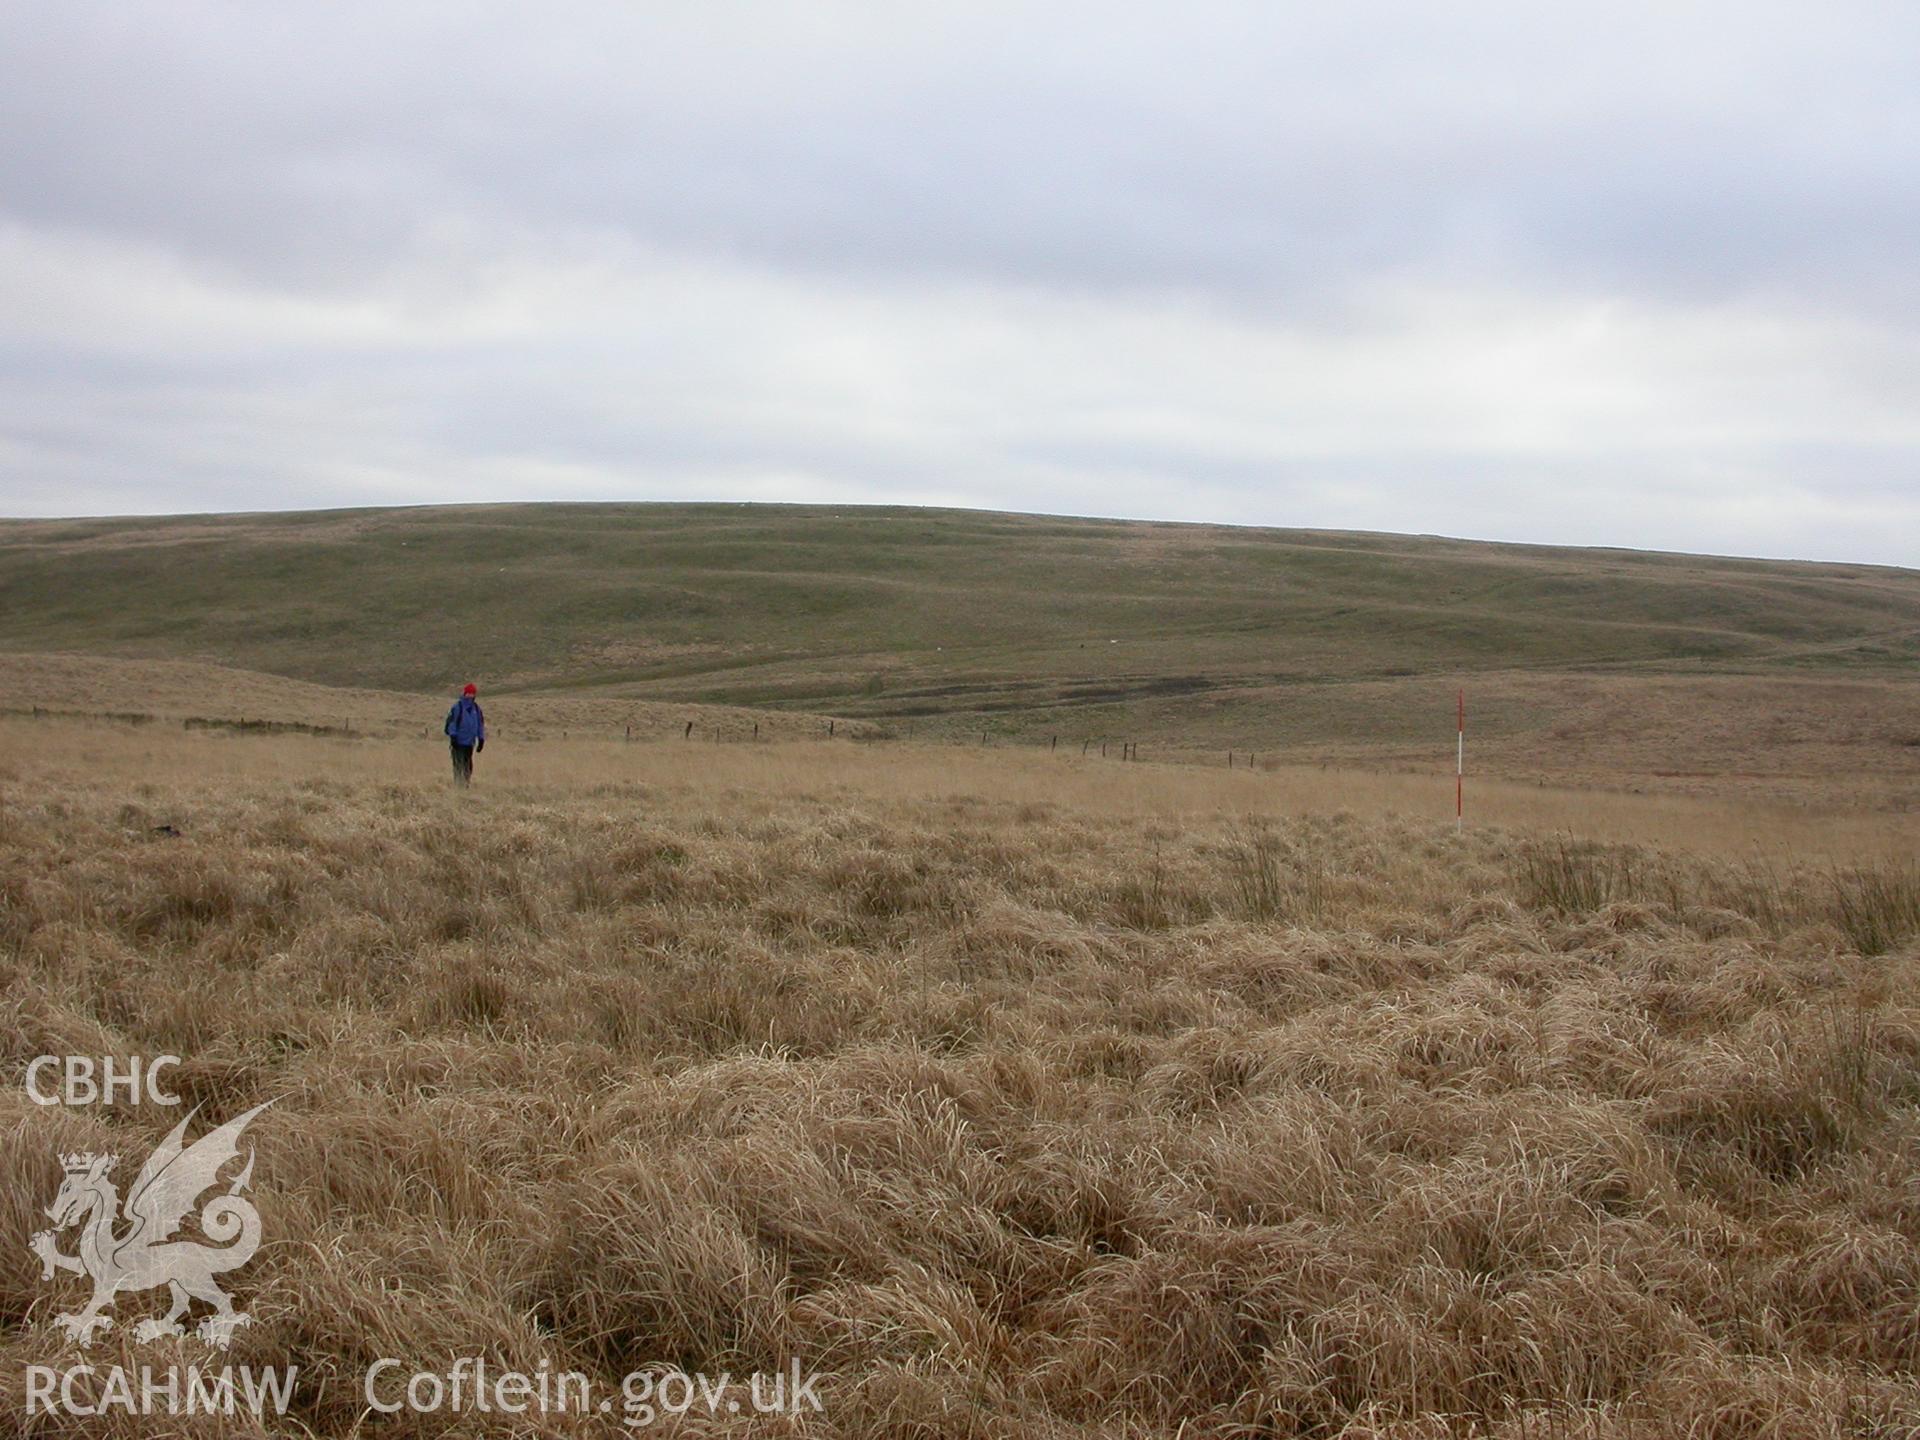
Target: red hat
pixel 469 691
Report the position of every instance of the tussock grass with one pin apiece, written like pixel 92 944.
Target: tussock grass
pixel 1017 1114
pixel 1575 878
pixel 1875 906
pixel 1273 880
pixel 1878 906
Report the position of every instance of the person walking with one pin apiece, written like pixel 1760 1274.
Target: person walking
pixel 466 733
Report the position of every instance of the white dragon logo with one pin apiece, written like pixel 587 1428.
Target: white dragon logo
pixel 146 1255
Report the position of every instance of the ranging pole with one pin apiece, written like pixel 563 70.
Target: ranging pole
pixel 1460 768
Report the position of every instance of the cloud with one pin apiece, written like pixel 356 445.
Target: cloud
pixel 1642 277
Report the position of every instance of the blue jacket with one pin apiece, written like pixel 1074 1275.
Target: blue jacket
pixel 465 724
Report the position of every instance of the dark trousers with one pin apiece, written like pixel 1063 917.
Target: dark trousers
pixel 462 762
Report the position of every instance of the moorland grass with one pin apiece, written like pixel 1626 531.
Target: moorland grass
pixel 1017 1106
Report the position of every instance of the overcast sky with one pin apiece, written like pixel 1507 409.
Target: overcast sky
pixel 1646 277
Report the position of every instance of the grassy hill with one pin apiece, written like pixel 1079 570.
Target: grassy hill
pixel 1014 1091
pixel 743 602
pixel 1018 627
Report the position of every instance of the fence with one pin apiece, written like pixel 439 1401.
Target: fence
pixel 686 730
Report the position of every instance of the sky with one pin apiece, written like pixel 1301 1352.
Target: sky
pixel 1637 274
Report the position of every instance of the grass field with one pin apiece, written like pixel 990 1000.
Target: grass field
pixel 764 604
pixel 1682 674
pixel 1013 1089
pixel 1013 1095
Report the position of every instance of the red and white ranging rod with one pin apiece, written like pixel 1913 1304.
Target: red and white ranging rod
pixel 1460 768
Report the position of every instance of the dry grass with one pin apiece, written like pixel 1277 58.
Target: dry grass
pixel 1024 1099
pixel 1778 745
pixel 547 764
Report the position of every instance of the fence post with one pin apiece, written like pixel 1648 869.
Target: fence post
pixel 1460 770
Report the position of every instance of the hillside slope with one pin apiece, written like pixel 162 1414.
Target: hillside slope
pixel 770 603
pixel 1590 665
